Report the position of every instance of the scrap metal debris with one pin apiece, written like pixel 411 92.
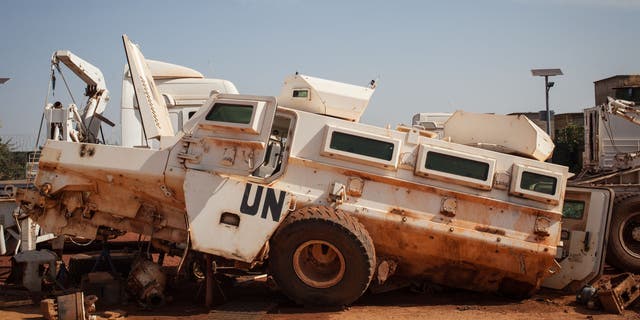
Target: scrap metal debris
pixel 612 295
pixel 73 306
pixel 146 282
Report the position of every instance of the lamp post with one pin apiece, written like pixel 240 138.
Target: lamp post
pixel 546 73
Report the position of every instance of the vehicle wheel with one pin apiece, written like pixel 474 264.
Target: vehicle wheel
pixel 623 250
pixel 321 256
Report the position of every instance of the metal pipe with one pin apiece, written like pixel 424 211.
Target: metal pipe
pixel 3 245
pixel 209 280
pixel 546 94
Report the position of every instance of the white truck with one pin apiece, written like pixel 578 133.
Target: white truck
pixel 295 186
pixel 612 159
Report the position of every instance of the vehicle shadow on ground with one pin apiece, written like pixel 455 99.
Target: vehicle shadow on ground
pixel 435 296
pixel 456 300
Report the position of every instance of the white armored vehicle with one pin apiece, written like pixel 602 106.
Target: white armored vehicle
pixel 328 206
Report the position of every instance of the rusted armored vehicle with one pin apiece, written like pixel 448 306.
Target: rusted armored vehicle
pixel 294 185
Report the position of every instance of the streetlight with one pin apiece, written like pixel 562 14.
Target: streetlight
pixel 546 73
pixel 2 81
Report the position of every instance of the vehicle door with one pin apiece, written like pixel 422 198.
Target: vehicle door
pixel 232 154
pixel 585 225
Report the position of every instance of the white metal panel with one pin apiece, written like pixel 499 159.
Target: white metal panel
pixel 165 70
pixel 617 135
pixel 326 97
pixel 586 246
pixel 193 91
pixel 155 116
pixel 102 161
pixel 260 210
pixel 514 134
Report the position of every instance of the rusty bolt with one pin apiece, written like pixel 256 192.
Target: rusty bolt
pixel 46 188
pixel 451 229
pixel 448 207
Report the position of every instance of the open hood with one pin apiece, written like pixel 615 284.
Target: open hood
pixel 153 110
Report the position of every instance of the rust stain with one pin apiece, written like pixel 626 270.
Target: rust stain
pixel 406 213
pixel 418 186
pixel 87 150
pixel 238 143
pixel 489 229
pixel 457 258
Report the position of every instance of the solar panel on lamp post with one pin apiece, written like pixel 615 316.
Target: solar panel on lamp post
pixel 546 73
pixel 3 80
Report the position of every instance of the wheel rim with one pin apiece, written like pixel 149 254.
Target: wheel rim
pixel 196 270
pixel 318 264
pixel 629 235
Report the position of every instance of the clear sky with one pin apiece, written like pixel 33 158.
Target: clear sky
pixel 429 56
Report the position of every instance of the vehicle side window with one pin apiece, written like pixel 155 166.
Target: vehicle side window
pixel 352 145
pixel 538 183
pixel 361 145
pixel 573 209
pixel 232 113
pixel 300 93
pixel 457 166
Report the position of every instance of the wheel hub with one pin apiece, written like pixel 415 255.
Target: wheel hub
pixel 635 234
pixel 318 264
pixel 629 235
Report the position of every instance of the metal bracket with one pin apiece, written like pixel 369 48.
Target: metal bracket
pixel 449 206
pixel 337 193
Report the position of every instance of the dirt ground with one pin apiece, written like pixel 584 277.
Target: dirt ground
pixel 254 300
pixel 258 303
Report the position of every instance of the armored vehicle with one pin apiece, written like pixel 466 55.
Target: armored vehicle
pixel 296 186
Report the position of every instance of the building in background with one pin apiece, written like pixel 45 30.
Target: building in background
pixel 626 87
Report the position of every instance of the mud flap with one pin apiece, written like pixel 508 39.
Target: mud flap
pixel 232 218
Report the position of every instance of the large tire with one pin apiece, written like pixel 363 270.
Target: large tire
pixel 321 256
pixel 623 251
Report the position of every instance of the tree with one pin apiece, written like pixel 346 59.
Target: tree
pixel 12 163
pixel 569 147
